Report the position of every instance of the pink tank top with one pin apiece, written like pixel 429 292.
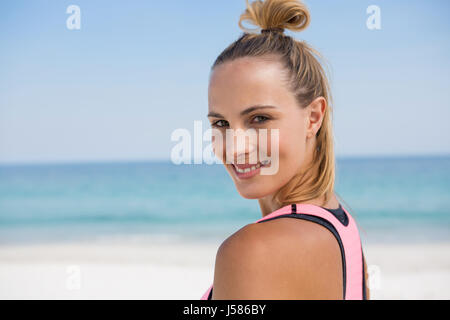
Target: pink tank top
pixel 343 227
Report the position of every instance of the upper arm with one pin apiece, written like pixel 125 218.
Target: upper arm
pixel 277 260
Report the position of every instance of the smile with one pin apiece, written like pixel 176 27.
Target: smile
pixel 248 169
pixel 245 171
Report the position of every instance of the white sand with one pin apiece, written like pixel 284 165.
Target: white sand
pixel 185 271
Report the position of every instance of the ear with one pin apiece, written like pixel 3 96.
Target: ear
pixel 316 112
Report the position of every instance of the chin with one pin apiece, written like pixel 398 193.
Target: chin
pixel 254 188
pixel 250 194
pixel 252 191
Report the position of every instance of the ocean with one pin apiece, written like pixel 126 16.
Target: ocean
pixel 404 199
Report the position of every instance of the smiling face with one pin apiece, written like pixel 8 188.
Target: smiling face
pixel 252 93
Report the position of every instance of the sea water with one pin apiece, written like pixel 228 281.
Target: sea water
pixel 392 199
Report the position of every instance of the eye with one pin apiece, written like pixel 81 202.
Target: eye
pixel 261 119
pixel 220 123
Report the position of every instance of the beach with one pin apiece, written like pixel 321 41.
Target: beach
pixel 127 231
pixel 184 270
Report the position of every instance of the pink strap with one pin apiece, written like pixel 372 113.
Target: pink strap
pixel 206 294
pixel 350 239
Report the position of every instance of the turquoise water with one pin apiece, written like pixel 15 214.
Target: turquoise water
pixel 392 199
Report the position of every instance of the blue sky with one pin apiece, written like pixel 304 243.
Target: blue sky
pixel 138 70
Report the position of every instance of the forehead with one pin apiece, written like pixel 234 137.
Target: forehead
pixel 247 81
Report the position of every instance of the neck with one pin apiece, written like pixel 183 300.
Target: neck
pixel 268 205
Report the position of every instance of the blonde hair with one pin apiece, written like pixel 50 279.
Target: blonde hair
pixel 307 80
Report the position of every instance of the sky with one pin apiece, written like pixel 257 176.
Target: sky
pixel 135 71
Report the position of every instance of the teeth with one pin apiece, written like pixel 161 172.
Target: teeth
pixel 247 169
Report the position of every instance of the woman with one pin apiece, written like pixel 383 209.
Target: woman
pixel 268 80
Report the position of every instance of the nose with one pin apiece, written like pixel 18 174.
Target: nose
pixel 244 146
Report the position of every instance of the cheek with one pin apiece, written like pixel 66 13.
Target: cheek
pixel 218 144
pixel 291 149
pixel 290 144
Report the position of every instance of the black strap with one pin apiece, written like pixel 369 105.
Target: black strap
pixel 364 277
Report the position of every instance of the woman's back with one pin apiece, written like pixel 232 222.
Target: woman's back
pixel 315 255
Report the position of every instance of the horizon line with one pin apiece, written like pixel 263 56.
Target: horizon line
pixel 167 160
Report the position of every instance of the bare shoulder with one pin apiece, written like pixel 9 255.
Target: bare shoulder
pixel 283 258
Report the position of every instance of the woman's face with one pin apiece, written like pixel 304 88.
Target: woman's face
pixel 250 82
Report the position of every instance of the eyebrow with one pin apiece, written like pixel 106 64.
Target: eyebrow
pixel 244 112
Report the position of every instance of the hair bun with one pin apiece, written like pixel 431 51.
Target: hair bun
pixel 276 15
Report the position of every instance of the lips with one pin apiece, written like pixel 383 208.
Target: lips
pixel 247 167
pixel 245 171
